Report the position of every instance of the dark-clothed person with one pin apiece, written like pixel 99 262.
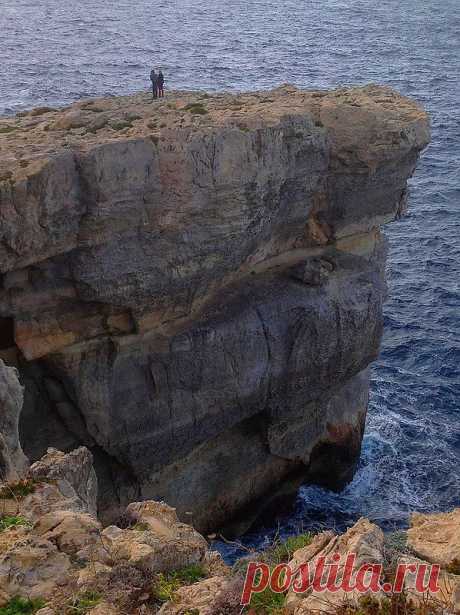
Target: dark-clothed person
pixel 161 83
pixel 154 80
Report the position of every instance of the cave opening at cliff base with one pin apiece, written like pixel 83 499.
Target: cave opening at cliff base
pixel 6 333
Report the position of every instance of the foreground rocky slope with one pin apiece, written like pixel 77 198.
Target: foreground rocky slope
pixel 193 288
pixel 56 558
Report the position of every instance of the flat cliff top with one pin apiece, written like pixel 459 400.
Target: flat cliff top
pixel 364 119
pixel 153 209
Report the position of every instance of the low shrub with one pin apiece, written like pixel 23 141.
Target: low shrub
pixel 283 551
pixel 141 527
pixel 84 602
pixel 18 490
pixel 267 603
pixel 168 583
pixel 12 521
pixel 120 124
pixel 196 109
pixel 22 606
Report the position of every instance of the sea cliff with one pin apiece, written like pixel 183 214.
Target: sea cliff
pixel 193 288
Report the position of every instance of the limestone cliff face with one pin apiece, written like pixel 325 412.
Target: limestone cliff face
pixel 196 285
pixel 13 462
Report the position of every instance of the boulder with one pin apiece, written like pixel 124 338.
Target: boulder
pixel 201 596
pixel 306 554
pixel 158 542
pixel 214 564
pixel 365 540
pixel 73 473
pixel 32 568
pixel 89 575
pixel 436 537
pixel 448 596
pixel 162 521
pixel 72 532
pixel 46 498
pixel 74 119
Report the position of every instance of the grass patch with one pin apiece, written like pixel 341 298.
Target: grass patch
pixel 12 521
pixel 120 124
pixel 18 490
pixel 267 603
pixel 22 606
pixel 141 527
pixel 83 603
pixel 168 583
pixel 283 551
pixel 4 130
pixel 196 109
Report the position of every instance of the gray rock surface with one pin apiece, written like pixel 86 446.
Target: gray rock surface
pixel 73 474
pixel 197 295
pixel 13 462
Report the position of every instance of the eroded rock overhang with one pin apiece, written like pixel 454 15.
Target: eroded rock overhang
pixel 194 288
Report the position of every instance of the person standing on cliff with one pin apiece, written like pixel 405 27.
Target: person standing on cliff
pixel 161 83
pixel 154 80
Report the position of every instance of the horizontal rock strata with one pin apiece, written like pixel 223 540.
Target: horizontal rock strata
pixel 193 288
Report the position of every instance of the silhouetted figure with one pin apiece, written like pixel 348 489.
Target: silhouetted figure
pixel 154 80
pixel 161 83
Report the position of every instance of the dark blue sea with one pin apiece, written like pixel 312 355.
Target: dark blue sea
pixel 55 52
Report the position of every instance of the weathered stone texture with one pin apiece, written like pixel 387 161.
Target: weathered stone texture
pixel 13 462
pixel 197 297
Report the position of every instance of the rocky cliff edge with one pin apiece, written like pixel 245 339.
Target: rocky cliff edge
pixel 193 287
pixel 56 558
